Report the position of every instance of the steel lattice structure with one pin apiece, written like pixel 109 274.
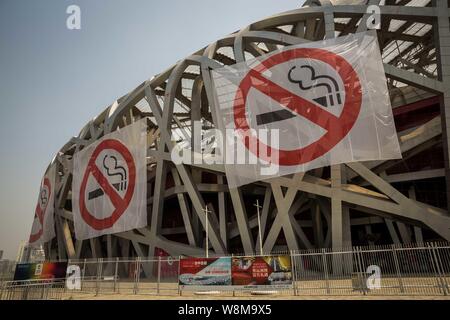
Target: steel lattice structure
pixel 321 208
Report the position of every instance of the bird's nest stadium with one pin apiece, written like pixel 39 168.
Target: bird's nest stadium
pixel 378 202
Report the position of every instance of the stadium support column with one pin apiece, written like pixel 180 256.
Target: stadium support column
pixel 442 40
pixel 196 127
pixel 328 17
pixel 340 217
pixel 418 237
pixel 317 224
pixel 222 213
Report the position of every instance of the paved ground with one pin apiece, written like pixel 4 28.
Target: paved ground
pixel 340 289
pixel 88 296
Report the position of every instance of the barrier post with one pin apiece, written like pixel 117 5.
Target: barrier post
pixel 2 288
pixel 159 274
pixel 234 291
pixel 65 283
pixel 178 276
pixel 82 276
pixel 397 268
pixel 115 273
pixel 294 272
pixel 99 275
pixel 137 275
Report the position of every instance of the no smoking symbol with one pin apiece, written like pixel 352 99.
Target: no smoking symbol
pixel 110 190
pixel 336 127
pixel 41 207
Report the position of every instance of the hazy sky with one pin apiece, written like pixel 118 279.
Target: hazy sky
pixel 53 80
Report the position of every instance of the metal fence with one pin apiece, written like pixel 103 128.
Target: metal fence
pixel 33 290
pixel 416 269
pixel 419 269
pixel 129 276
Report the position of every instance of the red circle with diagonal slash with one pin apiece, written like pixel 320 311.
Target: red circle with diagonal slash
pixel 120 204
pixel 337 127
pixel 40 212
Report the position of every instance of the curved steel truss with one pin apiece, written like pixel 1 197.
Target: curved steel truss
pixel 321 208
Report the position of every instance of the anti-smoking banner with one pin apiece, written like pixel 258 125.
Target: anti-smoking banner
pixel 43 228
pixel 303 107
pixel 110 183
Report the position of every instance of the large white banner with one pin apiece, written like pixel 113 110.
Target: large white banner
pixel 303 107
pixel 43 228
pixel 109 185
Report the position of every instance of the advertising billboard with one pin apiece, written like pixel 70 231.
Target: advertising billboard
pixel 236 273
pixel 264 272
pixel 40 271
pixel 201 273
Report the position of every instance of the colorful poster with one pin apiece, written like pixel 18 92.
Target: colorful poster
pixel 40 271
pixel 262 272
pixel 198 272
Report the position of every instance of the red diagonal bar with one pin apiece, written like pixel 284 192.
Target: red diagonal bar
pixel 40 214
pixel 292 101
pixel 116 199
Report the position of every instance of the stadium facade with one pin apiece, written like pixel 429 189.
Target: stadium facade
pixel 378 202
